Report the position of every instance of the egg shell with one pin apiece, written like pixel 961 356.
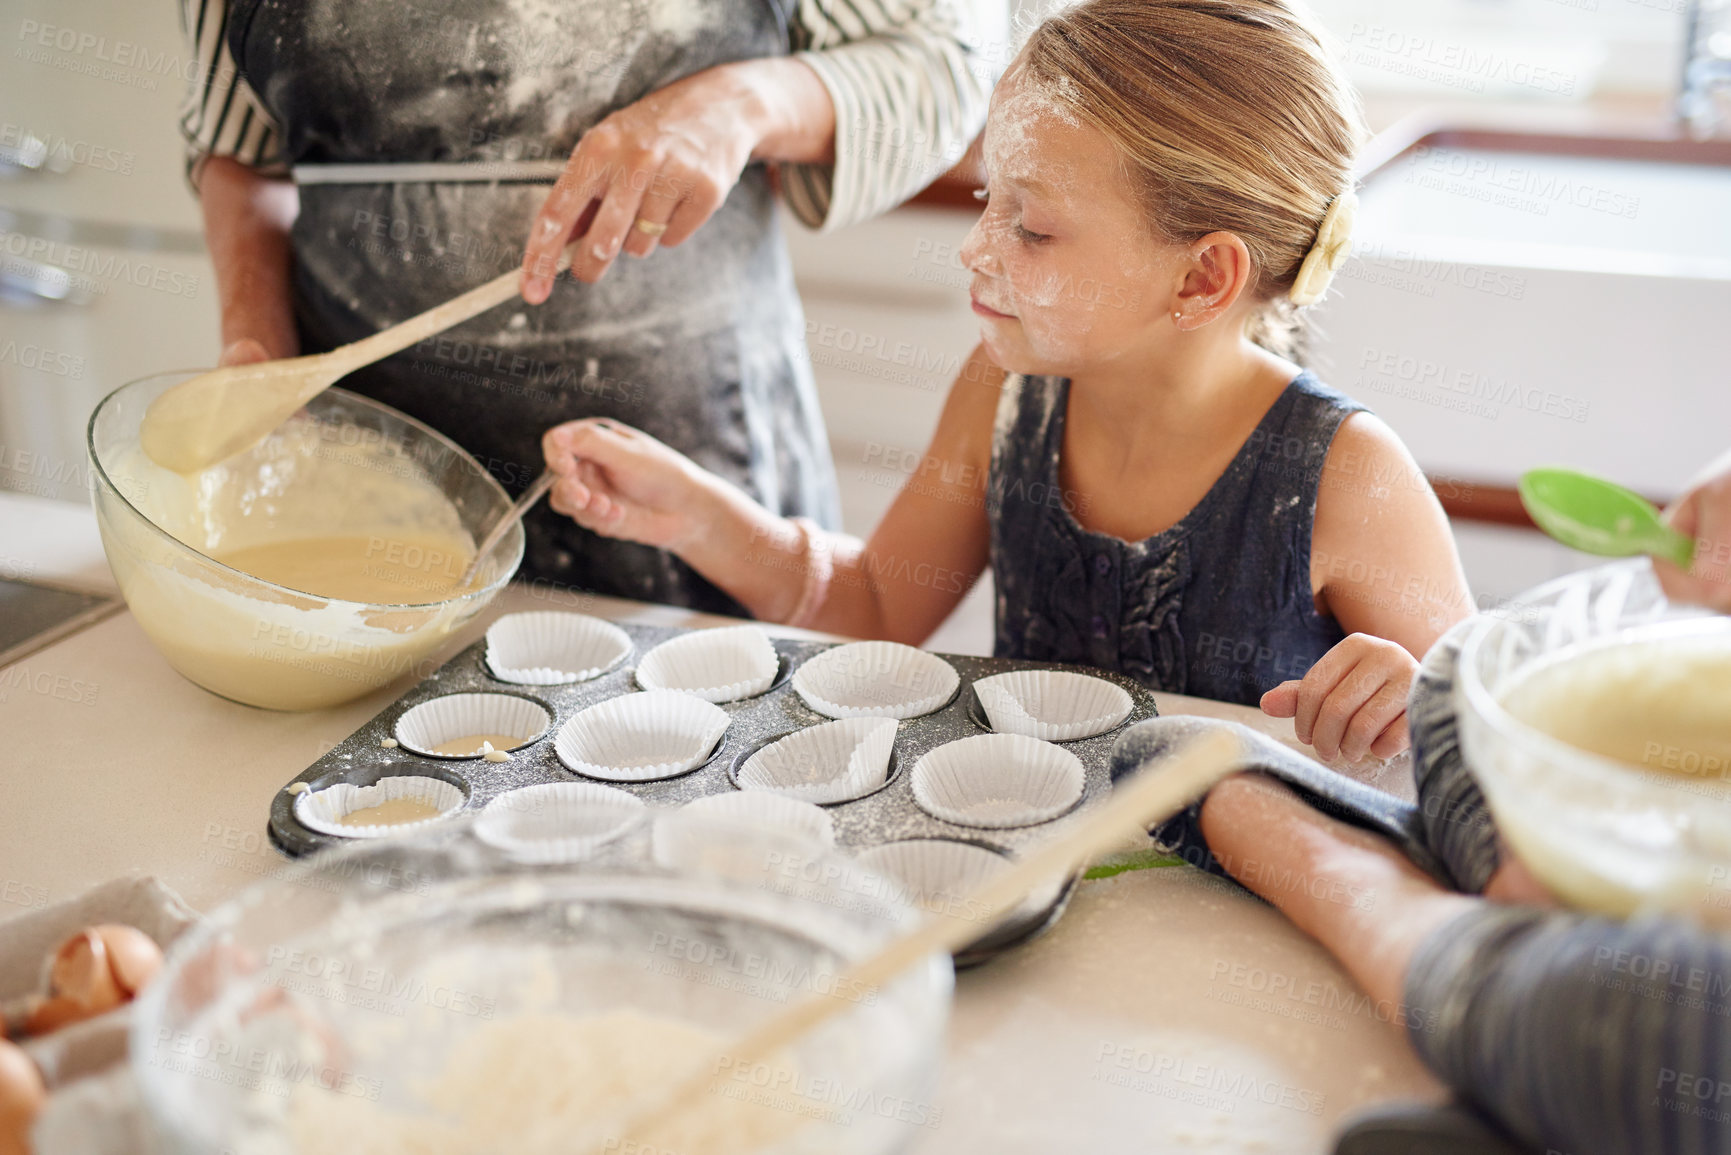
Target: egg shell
pixel 82 973
pixel 133 956
pixel 50 1014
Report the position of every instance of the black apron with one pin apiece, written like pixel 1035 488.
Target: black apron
pixel 701 346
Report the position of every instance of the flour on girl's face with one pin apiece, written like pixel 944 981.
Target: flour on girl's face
pixel 1018 125
pixel 1082 293
pixel 1026 109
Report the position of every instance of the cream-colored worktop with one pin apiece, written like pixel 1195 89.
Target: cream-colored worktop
pixel 1165 1012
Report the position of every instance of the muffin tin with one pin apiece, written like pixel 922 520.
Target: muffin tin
pixel 887 813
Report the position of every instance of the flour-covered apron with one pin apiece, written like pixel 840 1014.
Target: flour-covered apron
pixel 424 138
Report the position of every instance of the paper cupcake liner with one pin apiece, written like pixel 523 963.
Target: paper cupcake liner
pixel 731 831
pixel 445 719
pixel 942 876
pixel 875 680
pixel 765 811
pixel 715 665
pixel 1053 705
pixel 323 810
pixel 641 737
pixel 995 781
pixel 553 648
pixel 557 821
pixel 831 762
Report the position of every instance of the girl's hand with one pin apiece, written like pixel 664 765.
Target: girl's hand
pixel 623 483
pixel 1352 702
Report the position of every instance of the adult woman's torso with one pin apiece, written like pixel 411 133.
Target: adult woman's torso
pixel 701 346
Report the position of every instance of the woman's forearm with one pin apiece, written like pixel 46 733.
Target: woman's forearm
pixel 1349 889
pixel 247 218
pixel 791 113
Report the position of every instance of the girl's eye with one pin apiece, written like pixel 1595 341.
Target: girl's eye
pixel 1031 237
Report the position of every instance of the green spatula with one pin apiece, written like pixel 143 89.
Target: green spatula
pixel 1598 517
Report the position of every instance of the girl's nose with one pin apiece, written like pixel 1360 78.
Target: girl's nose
pixel 976 255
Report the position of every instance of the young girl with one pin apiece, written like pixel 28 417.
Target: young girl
pixel 1165 493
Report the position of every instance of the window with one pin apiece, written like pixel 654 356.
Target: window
pixel 1557 50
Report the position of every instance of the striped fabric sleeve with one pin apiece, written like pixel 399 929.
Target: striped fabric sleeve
pixel 221 115
pixel 1580 1034
pixel 1457 822
pixel 910 82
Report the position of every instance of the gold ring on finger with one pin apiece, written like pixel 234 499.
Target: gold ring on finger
pixel 651 228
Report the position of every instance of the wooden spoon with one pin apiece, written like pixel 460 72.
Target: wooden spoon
pixel 218 414
pixel 1152 794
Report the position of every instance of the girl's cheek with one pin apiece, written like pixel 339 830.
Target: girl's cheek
pixel 1054 338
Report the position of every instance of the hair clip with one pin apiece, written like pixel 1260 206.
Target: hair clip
pixel 1333 245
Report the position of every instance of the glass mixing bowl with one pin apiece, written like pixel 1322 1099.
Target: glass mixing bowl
pixel 1605 835
pixel 435 981
pixel 345 467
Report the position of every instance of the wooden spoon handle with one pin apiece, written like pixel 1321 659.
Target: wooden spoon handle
pixel 435 320
pixel 1144 798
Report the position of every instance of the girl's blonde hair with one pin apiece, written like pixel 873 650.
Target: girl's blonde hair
pixel 1230 116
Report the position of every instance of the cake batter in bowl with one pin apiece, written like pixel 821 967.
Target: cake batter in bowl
pixel 317 566
pixel 1597 718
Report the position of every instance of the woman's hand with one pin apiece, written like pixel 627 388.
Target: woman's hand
pixel 246 351
pixel 1352 702
pixel 670 159
pixel 623 483
pixel 1704 513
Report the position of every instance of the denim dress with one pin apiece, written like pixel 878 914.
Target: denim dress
pixel 1217 606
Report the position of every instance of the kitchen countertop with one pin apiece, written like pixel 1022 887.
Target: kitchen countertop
pixel 1167 1011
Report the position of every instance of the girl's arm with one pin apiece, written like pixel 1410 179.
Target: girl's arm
pixel 1383 563
pixel 901 585
pixel 1382 556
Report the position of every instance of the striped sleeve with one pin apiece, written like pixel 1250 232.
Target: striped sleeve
pixel 1580 1034
pixel 221 115
pixel 910 80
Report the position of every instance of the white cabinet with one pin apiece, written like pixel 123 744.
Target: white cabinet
pixel 103 277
